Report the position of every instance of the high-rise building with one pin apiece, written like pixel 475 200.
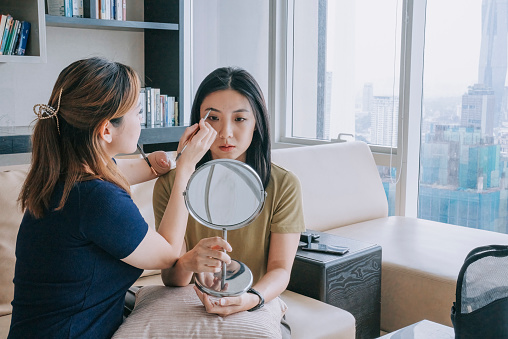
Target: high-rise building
pixel 367 96
pixel 462 179
pixel 478 109
pixel 384 115
pixel 493 50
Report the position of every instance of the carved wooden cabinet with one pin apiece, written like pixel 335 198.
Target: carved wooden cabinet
pixel 351 281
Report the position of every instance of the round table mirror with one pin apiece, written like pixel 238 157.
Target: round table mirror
pixel 225 195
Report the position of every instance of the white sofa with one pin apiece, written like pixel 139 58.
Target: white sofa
pixel 308 318
pixel 343 195
pixel 421 259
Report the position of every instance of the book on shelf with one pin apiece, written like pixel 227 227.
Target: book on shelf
pixel 77 8
pixel 68 8
pixel 9 37
pixel 169 117
pixel 153 108
pixel 112 10
pixel 23 38
pixel 124 10
pixel 176 114
pixel 17 40
pixel 142 106
pixel 149 113
pixel 164 108
pixel 102 8
pixel 56 7
pixel 14 37
pixel 108 10
pixel 158 110
pixel 3 19
pixel 5 33
pixel 118 10
pixel 91 9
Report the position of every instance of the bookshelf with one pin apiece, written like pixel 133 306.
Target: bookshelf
pixel 28 10
pixel 163 58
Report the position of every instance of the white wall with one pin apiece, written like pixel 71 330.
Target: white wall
pixel 230 33
pixel 24 85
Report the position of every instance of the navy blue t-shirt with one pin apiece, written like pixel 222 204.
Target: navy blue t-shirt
pixel 69 279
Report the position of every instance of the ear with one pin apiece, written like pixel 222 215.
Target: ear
pixel 105 132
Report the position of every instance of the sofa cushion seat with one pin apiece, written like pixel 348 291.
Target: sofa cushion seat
pixel 5 324
pixel 308 318
pixel 420 265
pixel 311 318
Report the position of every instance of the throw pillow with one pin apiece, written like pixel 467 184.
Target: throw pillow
pixel 177 312
pixel 12 181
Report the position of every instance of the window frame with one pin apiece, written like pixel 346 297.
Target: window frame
pixel 406 156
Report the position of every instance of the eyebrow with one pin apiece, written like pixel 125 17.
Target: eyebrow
pixel 240 110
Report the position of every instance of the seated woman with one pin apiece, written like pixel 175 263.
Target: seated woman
pixel 268 245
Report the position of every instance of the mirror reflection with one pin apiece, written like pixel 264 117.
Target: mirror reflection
pixel 223 194
pixel 236 279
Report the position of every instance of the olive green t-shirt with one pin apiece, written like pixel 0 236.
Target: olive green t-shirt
pixel 282 213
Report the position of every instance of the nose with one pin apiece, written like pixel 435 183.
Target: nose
pixel 226 130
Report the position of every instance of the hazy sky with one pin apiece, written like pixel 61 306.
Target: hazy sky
pixel 452 45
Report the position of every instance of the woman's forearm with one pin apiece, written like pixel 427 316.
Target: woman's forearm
pixel 174 221
pixel 273 283
pixel 176 275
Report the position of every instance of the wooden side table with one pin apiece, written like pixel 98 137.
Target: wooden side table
pixel 351 281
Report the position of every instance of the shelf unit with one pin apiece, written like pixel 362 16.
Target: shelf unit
pixel 28 10
pixel 163 36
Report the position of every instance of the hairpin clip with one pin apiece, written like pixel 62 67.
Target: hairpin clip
pixel 43 111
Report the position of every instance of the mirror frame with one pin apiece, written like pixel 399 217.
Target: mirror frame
pixel 225 163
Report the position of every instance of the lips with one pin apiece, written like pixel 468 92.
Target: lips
pixel 227 148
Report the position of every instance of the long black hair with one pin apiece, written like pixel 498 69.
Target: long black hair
pixel 259 151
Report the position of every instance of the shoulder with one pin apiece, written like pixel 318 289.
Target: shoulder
pixel 99 192
pixel 281 175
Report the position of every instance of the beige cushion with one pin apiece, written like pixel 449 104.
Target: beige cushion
pixel 344 174
pixel 311 318
pixel 420 265
pixel 177 312
pixel 11 180
pixel 5 323
pixel 308 318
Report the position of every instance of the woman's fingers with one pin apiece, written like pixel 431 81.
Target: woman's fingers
pixel 216 243
pixel 198 144
pixel 162 164
pixel 186 135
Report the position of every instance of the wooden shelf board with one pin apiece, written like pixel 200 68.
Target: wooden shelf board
pixel 62 21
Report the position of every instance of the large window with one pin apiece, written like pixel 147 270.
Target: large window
pixel 345 70
pixel 464 130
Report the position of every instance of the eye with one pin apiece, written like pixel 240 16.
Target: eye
pixel 240 119
pixel 213 118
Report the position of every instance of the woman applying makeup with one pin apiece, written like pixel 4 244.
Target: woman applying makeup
pixel 268 245
pixel 82 241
